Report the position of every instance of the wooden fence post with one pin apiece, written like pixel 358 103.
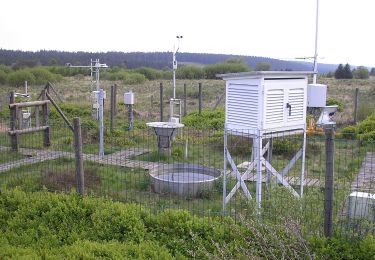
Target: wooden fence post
pixel 356 105
pixel 13 122
pixel 161 101
pixel 200 98
pixel 47 134
pixel 80 176
pixel 328 191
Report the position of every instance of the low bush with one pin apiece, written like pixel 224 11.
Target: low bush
pixel 364 130
pixel 42 75
pixel 332 101
pixel 190 72
pixel 221 68
pixel 47 225
pixel 208 119
pixel 3 77
pixel 18 78
pixel 341 248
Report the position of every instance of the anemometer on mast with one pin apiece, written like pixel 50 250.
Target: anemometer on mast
pixel 98 97
pixel 175 116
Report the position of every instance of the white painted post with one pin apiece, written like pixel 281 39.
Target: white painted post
pixel 303 162
pixel 225 170
pixel 101 124
pixel 258 160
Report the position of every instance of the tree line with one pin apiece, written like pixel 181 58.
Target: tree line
pixel 360 72
pixel 132 60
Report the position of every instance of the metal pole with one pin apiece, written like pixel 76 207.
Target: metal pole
pixel 302 183
pixel 174 75
pixel 316 43
pixel 101 124
pixel 356 105
pixel 130 107
pixel 78 156
pixel 328 191
pixel 161 101
pixel 225 170
pixel 258 160
pixel 97 74
pixel 200 98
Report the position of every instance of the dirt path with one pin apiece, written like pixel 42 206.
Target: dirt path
pixel 120 158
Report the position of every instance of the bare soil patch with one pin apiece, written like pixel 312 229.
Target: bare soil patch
pixel 67 180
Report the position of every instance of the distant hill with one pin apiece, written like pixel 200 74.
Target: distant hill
pixel 131 60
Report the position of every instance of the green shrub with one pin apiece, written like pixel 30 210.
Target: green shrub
pixel 284 146
pixel 18 78
pixel 134 78
pixel 5 68
pixel 3 77
pixel 149 73
pixel 190 72
pixel 68 71
pixel 332 101
pixel 207 120
pixel 47 225
pixel 43 75
pixel 349 132
pixel 364 130
pixel 368 136
pixel 340 248
pixel 227 67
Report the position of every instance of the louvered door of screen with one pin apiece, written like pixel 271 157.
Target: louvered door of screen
pixel 296 100
pixel 274 107
pixel 242 106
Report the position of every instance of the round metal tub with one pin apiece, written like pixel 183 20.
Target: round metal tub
pixel 187 180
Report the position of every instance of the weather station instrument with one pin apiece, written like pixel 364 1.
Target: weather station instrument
pixel 175 104
pixel 97 96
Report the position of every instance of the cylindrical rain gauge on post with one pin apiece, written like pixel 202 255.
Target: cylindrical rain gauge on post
pixel 129 102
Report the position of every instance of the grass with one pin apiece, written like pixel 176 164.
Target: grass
pixel 10 156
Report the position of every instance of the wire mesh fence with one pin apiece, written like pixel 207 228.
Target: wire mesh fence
pixel 189 174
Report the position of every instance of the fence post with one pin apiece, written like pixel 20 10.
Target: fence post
pixel 185 97
pixel 112 108
pixel 200 98
pixel 47 136
pixel 356 105
pixel 80 176
pixel 115 100
pixel 328 191
pixel 161 101
pixel 13 122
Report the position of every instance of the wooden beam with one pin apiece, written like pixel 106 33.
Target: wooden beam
pixel 60 111
pixel 28 130
pixel 29 104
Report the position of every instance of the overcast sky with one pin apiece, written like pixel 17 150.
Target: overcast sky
pixel 272 28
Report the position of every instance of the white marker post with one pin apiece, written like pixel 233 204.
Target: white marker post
pixel 101 124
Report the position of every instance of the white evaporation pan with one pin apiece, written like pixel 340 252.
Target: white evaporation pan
pixel 164 128
pixel 187 180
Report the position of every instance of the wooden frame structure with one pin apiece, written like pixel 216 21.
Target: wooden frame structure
pixel 16 120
